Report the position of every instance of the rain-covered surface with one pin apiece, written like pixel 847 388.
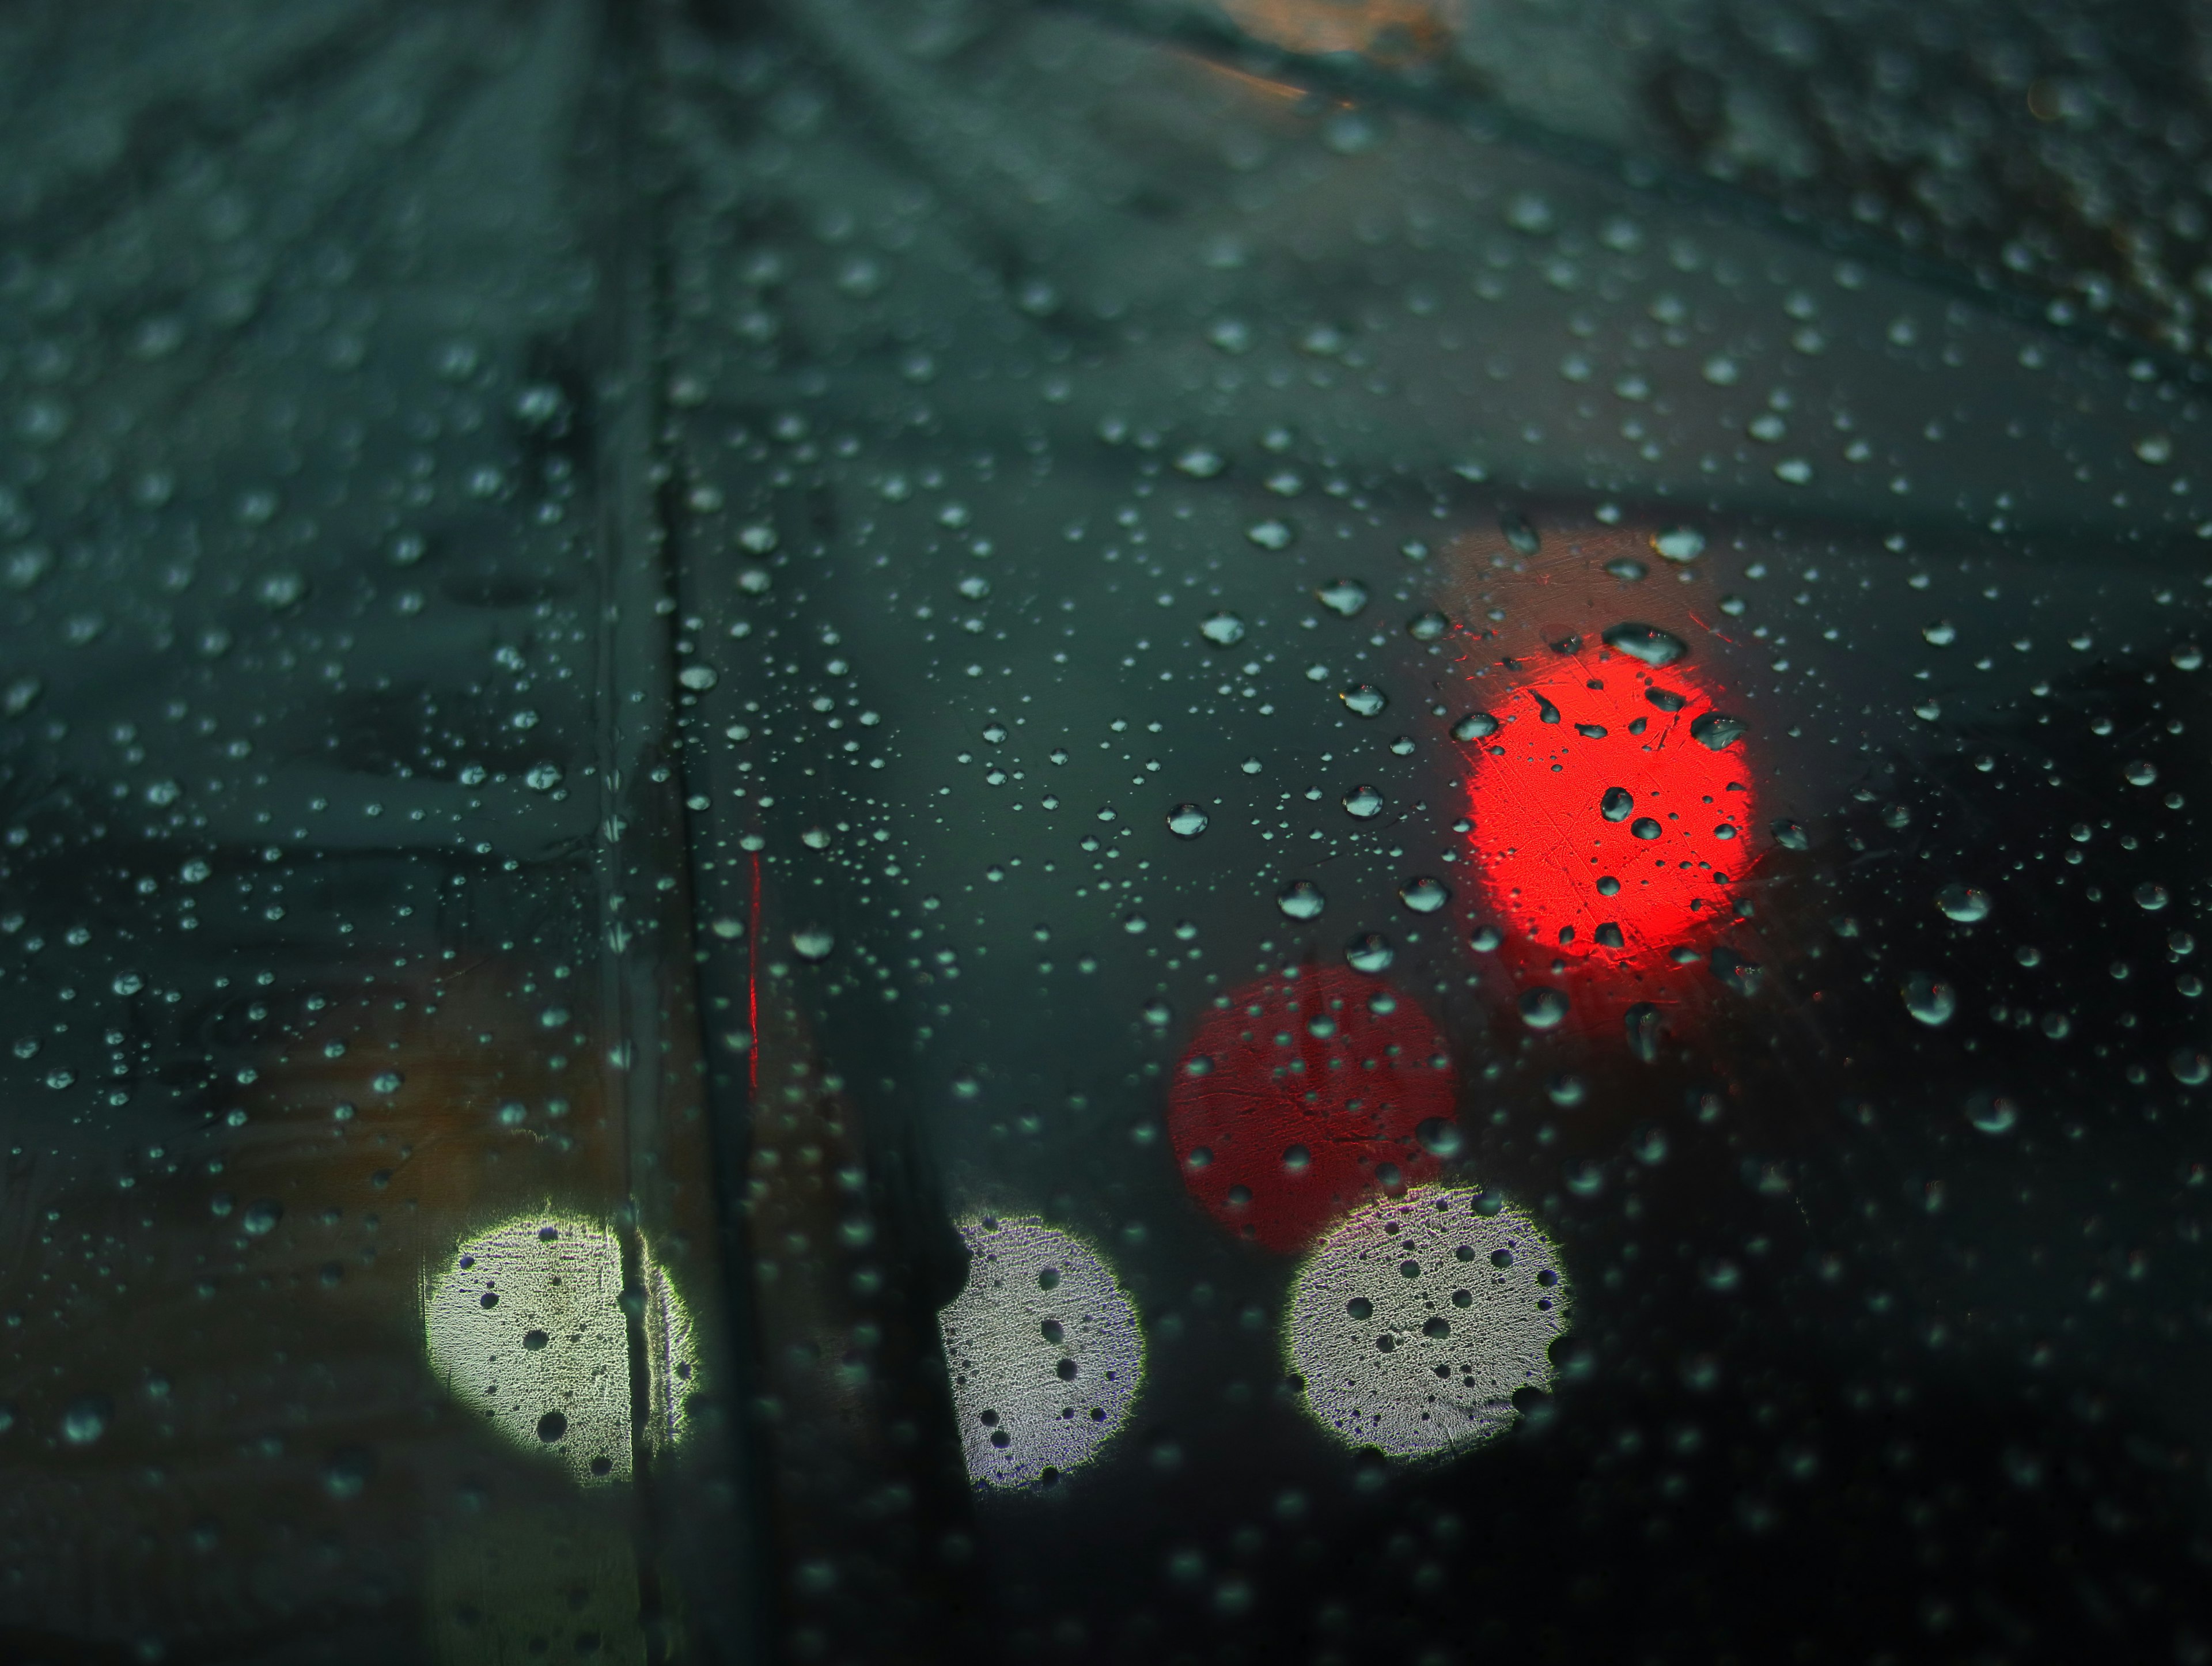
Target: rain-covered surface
pixel 761 633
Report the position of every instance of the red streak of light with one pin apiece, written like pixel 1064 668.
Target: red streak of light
pixel 752 990
pixel 1277 1130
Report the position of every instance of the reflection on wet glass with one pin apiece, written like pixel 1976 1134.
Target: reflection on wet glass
pixel 1044 1350
pixel 1416 1322
pixel 529 1325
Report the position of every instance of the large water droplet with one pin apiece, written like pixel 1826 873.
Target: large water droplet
pixel 1427 627
pixel 1930 998
pixel 1344 597
pixel 2151 896
pixel 1543 1007
pixel 1644 1026
pixel 1301 899
pixel 813 942
pixel 1364 699
pixel 1222 630
pixel 1475 726
pixel 1617 804
pixel 1269 534
pixel 1186 821
pixel 1940 633
pixel 1742 976
pixel 1519 533
pixel 1653 645
pixel 1643 826
pixel 1440 1136
pixel 1963 902
pixel 1626 569
pixel 85 1419
pixel 1992 1113
pixel 2191 1068
pixel 1717 731
pixel 1678 543
pixel 1791 835
pixel 1363 802
pixel 1368 952
pixel 1423 895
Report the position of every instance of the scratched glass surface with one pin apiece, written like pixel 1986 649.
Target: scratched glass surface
pixel 1293 829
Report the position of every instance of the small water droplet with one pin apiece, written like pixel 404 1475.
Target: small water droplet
pixel 1301 899
pixel 1940 633
pixel 1475 726
pixel 1791 835
pixel 1269 534
pixel 1992 1113
pixel 813 942
pixel 1427 627
pixel 85 1419
pixel 1440 1136
pixel 1679 544
pixel 1222 630
pixel 1626 569
pixel 1616 806
pixel 1364 699
pixel 1519 533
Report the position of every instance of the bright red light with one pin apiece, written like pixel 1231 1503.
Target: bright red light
pixel 1303 1097
pixel 1607 833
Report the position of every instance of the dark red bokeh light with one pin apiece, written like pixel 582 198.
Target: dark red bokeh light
pixel 1301 1097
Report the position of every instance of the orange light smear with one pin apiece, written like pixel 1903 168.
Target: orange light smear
pixel 1387 31
pixel 1542 842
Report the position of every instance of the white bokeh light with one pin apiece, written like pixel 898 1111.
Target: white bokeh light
pixel 1415 1320
pixel 524 1325
pixel 1044 1350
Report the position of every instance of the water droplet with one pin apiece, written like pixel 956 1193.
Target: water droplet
pixel 2141 773
pixel 1626 569
pixel 1363 802
pixel 127 983
pixel 543 777
pixel 1344 597
pixel 1941 633
pixel 1931 999
pixel 261 1217
pixel 2187 656
pixel 1543 1008
pixel 1963 902
pixel 1617 804
pixel 85 1419
pixel 2151 896
pixel 2191 1068
pixel 1440 1136
pixel 1644 1026
pixel 1427 627
pixel 1718 731
pixel 2156 449
pixel 1791 835
pixel 1653 645
pixel 1643 826
pixel 1992 1113
pixel 1301 899
pixel 1484 939
pixel 1200 464
pixel 1423 895
pixel 1269 534
pixel 813 942
pixel 1679 544
pixel 1369 952
pixel 1519 533
pixel 1364 699
pixel 1222 630
pixel 1186 821
pixel 1475 726
pixel 1742 976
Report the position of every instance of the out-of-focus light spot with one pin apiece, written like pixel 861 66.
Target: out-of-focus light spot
pixel 1415 1320
pixel 1044 1350
pixel 1610 813
pixel 525 1326
pixel 1303 1096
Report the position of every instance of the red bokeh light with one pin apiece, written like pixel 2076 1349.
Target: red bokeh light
pixel 1611 891
pixel 1301 1097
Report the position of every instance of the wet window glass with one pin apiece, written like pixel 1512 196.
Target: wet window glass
pixel 1311 829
